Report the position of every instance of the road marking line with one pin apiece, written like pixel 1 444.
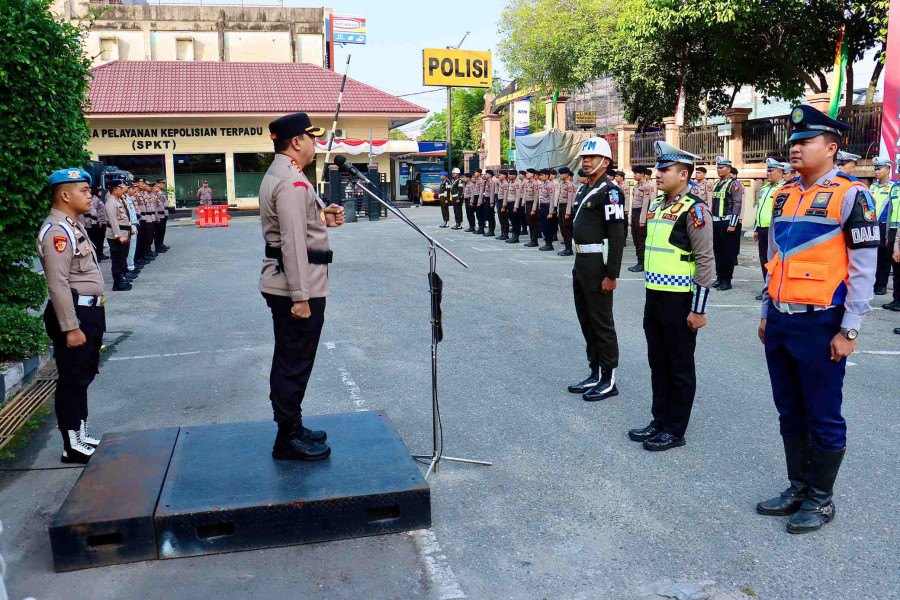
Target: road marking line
pixel 734 305
pixel 443 580
pixel 879 352
pixel 191 353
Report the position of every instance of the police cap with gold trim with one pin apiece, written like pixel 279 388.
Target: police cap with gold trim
pixel 292 125
pixel 807 122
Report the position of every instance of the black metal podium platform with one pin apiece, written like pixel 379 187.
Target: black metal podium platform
pixel 223 492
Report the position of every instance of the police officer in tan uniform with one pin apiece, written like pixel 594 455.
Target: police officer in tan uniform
pixel 294 279
pixel 565 200
pixel 75 318
pixel 159 231
pixel 118 233
pixel 204 194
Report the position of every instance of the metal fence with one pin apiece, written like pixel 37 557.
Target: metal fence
pixel 864 138
pixel 703 140
pixel 642 153
pixel 766 138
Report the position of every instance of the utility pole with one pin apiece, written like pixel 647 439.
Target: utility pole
pixel 449 125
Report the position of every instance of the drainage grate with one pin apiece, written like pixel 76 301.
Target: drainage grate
pixel 14 414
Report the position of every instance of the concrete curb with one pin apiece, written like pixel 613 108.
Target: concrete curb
pixel 16 375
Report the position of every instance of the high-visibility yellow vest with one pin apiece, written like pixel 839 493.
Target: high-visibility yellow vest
pixel 764 210
pixel 667 266
pixel 721 194
pixel 884 194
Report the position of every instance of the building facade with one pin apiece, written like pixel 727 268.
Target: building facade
pixel 209 121
pixel 169 32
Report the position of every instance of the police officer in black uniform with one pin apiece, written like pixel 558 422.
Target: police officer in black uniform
pixel 599 236
pixel 457 185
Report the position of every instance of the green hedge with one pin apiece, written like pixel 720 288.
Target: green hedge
pixel 21 334
pixel 44 77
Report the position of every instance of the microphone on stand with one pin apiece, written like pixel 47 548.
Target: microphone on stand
pixel 343 165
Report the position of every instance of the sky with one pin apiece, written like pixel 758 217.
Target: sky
pixel 398 31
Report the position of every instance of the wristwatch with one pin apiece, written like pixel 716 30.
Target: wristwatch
pixel 850 334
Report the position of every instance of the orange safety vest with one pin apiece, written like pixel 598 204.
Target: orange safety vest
pixel 810 265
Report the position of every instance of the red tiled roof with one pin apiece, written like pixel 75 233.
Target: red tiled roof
pixel 227 87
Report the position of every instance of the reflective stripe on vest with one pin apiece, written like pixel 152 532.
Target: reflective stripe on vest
pixel 721 191
pixel 667 267
pixel 764 210
pixel 882 195
pixel 810 265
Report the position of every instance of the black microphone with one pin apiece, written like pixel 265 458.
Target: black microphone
pixel 341 162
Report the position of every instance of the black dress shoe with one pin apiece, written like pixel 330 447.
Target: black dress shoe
pixel 725 285
pixel 457 226
pixel 531 245
pixel 513 240
pixel 894 306
pixel 585 384
pixel 897 330
pixel 637 268
pixel 546 248
pixel 758 298
pixel 468 230
pixel 716 283
pixel 881 291
pixel 639 435
pixel 663 441
pixel 502 237
pixel 444 226
pixel 565 253
pixel 605 388
pixel 121 286
pixel 289 446
pixel 490 234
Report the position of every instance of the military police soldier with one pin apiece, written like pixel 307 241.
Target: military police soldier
pixel 727 200
pixel 294 279
pixel 678 270
pixel 443 194
pixel 598 231
pixel 823 244
pixel 75 317
pixel 774 181
pixel 886 193
pixel 456 197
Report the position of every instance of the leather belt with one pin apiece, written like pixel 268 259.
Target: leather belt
pixel 91 301
pixel 589 248
pixel 790 308
pixel 314 257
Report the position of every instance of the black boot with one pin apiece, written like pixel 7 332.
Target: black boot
pixel 513 240
pixel 469 230
pixel 725 284
pixel 290 444
pixel 637 268
pixel 503 236
pixel 316 435
pixel 547 247
pixel 605 388
pixel 715 284
pixel 818 508
pixel 565 252
pixel 490 233
pixel 532 244
pixel 120 285
pixel 479 231
pixel 796 453
pixel 585 384
pixel 74 451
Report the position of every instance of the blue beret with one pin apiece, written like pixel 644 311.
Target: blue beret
pixel 73 175
pixel 443 172
pixel 808 122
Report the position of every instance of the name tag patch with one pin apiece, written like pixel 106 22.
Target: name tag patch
pixel 822 199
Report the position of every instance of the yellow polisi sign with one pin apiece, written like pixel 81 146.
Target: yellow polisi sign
pixel 457 68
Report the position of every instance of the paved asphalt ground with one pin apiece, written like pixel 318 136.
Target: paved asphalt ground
pixel 571 509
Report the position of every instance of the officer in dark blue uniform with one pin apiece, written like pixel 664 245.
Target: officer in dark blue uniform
pixel 823 244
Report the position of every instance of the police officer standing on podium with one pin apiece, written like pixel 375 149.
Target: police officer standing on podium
pixel 678 270
pixel 294 279
pixel 75 318
pixel 823 244
pixel 598 230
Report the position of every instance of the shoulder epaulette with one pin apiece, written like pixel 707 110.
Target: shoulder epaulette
pixel 843 175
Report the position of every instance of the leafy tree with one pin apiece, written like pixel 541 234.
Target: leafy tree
pixel 466 110
pixel 43 81
pixel 396 134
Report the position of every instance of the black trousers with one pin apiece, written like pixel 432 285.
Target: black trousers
pixel 457 211
pixel 296 342
pixel 470 214
pixel 96 234
pixel 638 233
pixel 565 227
pixel 479 214
pixel 445 210
pixel 534 225
pixel 490 217
pixel 885 256
pixel 149 235
pixel 77 367
pixel 670 350
pixel 503 210
pixel 118 254
pixel 159 233
pixel 726 246
pixel 595 312
pixel 515 219
pixel 763 233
